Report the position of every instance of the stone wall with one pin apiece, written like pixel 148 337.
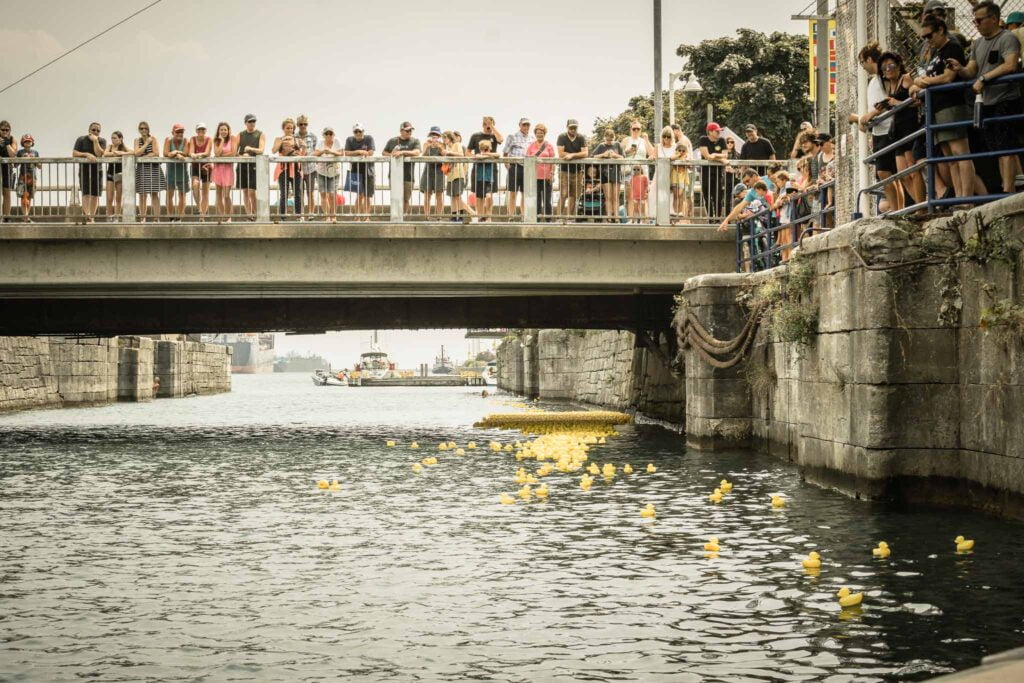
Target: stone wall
pixel 54 372
pixel 599 367
pixel 911 385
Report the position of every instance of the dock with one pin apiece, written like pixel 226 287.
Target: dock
pixel 434 381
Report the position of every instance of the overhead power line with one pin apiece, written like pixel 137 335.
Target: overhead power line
pixel 83 43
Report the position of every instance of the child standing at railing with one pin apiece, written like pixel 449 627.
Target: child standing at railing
pixel 639 187
pixel 26 185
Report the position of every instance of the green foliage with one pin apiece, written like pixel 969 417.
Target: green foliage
pixel 790 314
pixel 1005 315
pixel 759 377
pixel 752 78
pixel 993 243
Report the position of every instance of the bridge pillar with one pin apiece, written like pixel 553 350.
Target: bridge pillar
pixel 531 366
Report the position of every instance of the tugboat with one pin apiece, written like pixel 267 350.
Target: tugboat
pixel 442 364
pixel 324 378
pixel 374 364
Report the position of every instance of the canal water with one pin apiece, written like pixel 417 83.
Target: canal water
pixel 187 538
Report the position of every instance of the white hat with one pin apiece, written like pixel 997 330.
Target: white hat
pixel 357 126
pixel 200 126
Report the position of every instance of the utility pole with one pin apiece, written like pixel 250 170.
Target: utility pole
pixel 822 72
pixel 659 121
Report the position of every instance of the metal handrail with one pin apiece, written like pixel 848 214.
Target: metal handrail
pixel 766 256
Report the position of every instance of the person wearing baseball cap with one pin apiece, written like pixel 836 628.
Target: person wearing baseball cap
pixel 432 180
pixel 484 175
pixel 200 146
pixel 175 147
pixel 308 138
pixel 756 148
pixel 1015 24
pixel 712 177
pixel 571 145
pixel 515 148
pixel 361 178
pixel 327 172
pixel 25 186
pixel 251 143
pixel 404 145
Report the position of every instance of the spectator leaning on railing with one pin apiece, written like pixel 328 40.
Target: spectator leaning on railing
pixel 90 147
pixel 515 148
pixel 251 143
pixel 327 173
pixel 885 165
pixel 756 147
pixel 542 149
pixel 571 146
pixel 995 53
pixel 7 151
pixel 404 145
pixel 309 141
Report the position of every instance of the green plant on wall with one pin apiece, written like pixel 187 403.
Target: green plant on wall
pixel 791 315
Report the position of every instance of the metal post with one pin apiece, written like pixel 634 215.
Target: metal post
pixel 658 120
pixel 711 113
pixel 882 20
pixel 929 150
pixel 821 73
pixel 397 189
pixel 862 106
pixel 663 191
pixel 128 189
pixel 530 189
pixel 263 188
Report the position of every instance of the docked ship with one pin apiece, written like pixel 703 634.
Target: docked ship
pixel 294 362
pixel 442 364
pixel 375 364
pixel 251 352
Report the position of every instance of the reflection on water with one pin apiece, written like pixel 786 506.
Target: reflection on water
pixel 181 538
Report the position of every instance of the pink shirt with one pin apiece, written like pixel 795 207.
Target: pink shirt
pixel 544 171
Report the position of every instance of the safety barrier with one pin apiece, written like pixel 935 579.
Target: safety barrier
pixel 764 241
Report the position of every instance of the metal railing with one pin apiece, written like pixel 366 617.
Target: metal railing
pixel 927 165
pixel 269 188
pixel 764 241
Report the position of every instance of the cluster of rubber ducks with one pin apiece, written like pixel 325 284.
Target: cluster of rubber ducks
pixel 332 486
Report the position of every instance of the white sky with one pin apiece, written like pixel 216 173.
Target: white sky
pixel 340 62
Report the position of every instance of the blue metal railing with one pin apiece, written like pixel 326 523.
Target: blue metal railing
pixel 928 130
pixel 759 243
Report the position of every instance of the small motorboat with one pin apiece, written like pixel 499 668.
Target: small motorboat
pixel 323 378
pixel 490 373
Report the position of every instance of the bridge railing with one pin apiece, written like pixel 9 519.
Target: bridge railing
pixel 927 166
pixel 766 237
pixel 273 188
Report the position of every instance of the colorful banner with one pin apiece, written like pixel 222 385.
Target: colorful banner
pixel 813 58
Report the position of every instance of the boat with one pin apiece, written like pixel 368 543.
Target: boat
pixel 251 352
pixel 442 364
pixel 294 362
pixel 490 373
pixel 374 364
pixel 324 378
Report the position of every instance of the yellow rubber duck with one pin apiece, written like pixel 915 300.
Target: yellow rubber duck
pixel 430 461
pixel 416 467
pixel 471 446
pixel 628 469
pixel 648 512
pixel 716 497
pixel 414 445
pixel 459 451
pixel 586 482
pixel 508 447
pixel 882 550
pixel 594 469
pixel 725 486
pixel 542 491
pixel 335 486
pixel 608 470
pixel 848 599
pixel 443 446
pixel 390 444
pixel 452 444
pixel 777 502
pixel 963 545
pixel 525 492
pixel 322 483
pixel 712 545
pixel 813 561
pixel 507 499
pixel 651 469
pixel 601 440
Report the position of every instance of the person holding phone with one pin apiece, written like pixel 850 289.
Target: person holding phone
pixel 115 185
pixel 636 147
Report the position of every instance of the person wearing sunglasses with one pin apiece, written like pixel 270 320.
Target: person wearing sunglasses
pixel 995 53
pixel 90 147
pixel 636 147
pixel 149 177
pixel 7 151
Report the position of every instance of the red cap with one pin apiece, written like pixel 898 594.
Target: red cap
pixel 178 126
pixel 27 138
pixel 713 126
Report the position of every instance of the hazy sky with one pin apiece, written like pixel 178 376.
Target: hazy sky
pixel 377 63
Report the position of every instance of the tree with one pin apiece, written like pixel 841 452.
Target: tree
pixel 753 78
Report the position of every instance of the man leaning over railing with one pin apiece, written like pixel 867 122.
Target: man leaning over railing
pixel 995 53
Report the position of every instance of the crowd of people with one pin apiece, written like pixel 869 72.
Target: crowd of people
pixel 605 178
pixel 947 57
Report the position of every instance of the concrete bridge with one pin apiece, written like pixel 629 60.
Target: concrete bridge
pixel 117 278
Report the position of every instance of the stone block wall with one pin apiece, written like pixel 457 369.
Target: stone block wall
pixel 186 368
pixel 888 399
pixel 135 369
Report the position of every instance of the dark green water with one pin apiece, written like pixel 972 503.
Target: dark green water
pixel 186 539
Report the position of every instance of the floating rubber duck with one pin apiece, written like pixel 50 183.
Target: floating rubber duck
pixel 471 446
pixel 608 470
pixel 542 491
pixel 430 461
pixel 963 545
pixel 586 482
pixel 390 444
pixel 778 502
pixel 628 469
pixel 651 469
pixel 712 545
pixel 882 550
pixel 812 561
pixel 648 512
pixel 507 499
pixel 452 444
pixel 322 483
pixel 335 486
pixel 443 446
pixel 601 440
pixel 725 486
pixel 848 599
pixel 530 479
pixel 594 469
pixel 459 451
pixel 525 493
pixel 414 445
pixel 716 497
pixel 416 467
pixel 508 447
